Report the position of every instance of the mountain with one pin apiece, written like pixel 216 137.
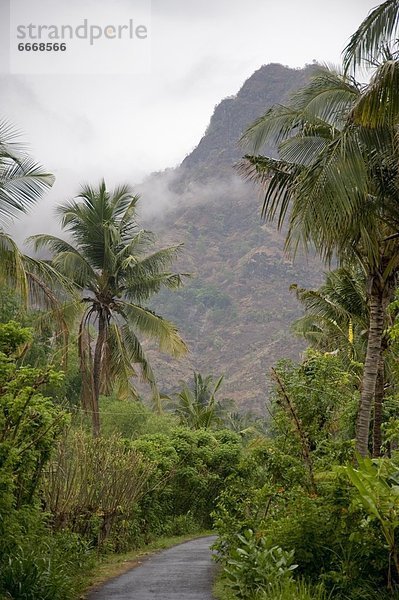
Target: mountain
pixel 219 147
pixel 236 311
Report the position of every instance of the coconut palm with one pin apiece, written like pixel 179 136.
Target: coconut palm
pixel 336 320
pixel 114 265
pixel 196 404
pixel 336 184
pixel 336 315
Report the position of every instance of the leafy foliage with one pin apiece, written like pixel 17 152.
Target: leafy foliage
pixel 22 181
pixel 192 467
pixel 377 485
pixel 253 567
pixel 90 484
pixel 32 563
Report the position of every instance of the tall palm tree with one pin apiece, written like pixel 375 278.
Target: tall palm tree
pixel 114 265
pixel 336 320
pixel 336 184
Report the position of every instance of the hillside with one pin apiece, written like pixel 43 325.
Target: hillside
pixel 237 310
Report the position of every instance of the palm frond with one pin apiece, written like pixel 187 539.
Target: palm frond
pixel 150 265
pixel 122 350
pixel 22 180
pixel 153 326
pixel 12 268
pixel 277 177
pixel 118 360
pixel 379 28
pixel 274 126
pixel 67 261
pixel 22 183
pixel 379 105
pixel 141 289
pixel 337 308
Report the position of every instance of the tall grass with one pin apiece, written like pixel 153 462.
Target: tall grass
pixel 288 589
pixel 293 590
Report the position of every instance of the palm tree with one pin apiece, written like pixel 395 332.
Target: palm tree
pixel 22 184
pixel 197 406
pixel 336 321
pixel 113 263
pixel 335 182
pixel 336 315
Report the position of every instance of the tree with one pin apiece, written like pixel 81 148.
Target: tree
pixel 108 260
pixel 336 315
pixel 336 320
pixel 197 406
pixel 335 183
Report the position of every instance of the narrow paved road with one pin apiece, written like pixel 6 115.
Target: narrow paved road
pixel 184 572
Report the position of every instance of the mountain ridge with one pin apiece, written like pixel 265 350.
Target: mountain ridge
pixel 237 310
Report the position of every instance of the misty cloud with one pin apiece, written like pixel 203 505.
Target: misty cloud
pixel 84 128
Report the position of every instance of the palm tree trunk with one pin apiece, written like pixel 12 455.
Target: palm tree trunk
pixel 378 400
pixel 370 371
pixel 97 373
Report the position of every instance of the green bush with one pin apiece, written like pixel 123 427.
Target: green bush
pixel 285 589
pixel 253 566
pixel 191 468
pixel 44 566
pixel 132 419
pixel 287 490
pixel 34 564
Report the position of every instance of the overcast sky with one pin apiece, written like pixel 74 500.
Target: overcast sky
pixel 125 126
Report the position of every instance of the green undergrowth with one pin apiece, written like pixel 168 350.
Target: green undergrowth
pixel 284 590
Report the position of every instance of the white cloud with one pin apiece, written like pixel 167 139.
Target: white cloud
pixel 124 127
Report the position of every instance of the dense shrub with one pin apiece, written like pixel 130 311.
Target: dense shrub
pixel 254 566
pixel 91 483
pixel 191 470
pixel 289 490
pixel 45 566
pixel 132 419
pixel 33 563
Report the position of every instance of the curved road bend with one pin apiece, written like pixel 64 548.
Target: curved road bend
pixel 184 572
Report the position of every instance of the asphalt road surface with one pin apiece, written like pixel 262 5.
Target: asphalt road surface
pixel 184 572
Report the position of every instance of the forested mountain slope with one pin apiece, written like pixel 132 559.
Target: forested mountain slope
pixel 237 310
